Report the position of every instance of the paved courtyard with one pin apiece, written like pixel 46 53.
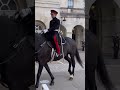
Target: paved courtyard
pixel 60 72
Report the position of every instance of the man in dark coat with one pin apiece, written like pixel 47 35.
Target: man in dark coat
pixel 52 32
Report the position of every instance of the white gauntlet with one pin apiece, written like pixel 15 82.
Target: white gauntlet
pixel 45 30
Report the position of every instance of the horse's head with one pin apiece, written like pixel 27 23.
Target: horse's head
pixel 13 29
pixel 39 39
pixel 39 35
pixel 8 32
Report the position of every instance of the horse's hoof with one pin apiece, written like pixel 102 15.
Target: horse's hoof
pixel 52 83
pixel 70 78
pixel 36 86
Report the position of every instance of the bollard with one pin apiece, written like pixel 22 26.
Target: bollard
pixel 45 87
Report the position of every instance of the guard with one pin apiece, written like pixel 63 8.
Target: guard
pixel 52 32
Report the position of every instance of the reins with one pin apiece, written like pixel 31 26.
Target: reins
pixel 41 46
pixel 15 46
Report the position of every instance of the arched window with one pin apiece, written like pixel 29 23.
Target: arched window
pixel 70 3
pixel 39 25
pixel 8 5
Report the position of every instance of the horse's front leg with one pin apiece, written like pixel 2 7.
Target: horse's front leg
pixel 17 86
pixel 38 75
pixel 48 70
pixel 73 65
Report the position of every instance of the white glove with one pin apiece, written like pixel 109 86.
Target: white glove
pixel 45 30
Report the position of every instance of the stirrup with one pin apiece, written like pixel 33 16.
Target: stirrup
pixel 58 55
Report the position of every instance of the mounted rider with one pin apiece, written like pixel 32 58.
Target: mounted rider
pixel 52 32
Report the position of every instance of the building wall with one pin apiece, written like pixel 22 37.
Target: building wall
pixel 88 4
pixel 30 3
pixel 20 4
pixel 73 17
pixel 77 3
pixel 108 22
pixel 42 10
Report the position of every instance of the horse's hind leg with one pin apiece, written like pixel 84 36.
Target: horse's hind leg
pixel 38 75
pixel 73 65
pixel 18 86
pixel 69 61
pixel 48 70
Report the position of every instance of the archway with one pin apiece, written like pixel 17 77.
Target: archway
pixel 102 23
pixel 8 7
pixel 92 19
pixel 78 35
pixel 64 31
pixel 39 25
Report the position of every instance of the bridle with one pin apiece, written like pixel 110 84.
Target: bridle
pixel 41 32
pixel 41 47
pixel 15 46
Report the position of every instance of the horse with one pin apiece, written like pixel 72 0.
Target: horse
pixel 17 53
pixel 43 55
pixel 94 61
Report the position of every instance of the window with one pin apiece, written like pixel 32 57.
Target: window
pixel 39 25
pixel 8 5
pixel 70 3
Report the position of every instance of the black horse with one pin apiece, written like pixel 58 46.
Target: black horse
pixel 94 62
pixel 17 52
pixel 44 55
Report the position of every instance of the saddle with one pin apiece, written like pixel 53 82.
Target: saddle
pixel 61 41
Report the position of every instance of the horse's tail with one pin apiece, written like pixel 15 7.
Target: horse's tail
pixel 79 59
pixel 103 74
pixel 4 85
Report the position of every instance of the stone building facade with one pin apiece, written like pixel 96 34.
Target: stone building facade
pixel 71 15
pixel 103 18
pixel 9 7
